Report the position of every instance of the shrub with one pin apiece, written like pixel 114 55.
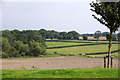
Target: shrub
pixel 4 55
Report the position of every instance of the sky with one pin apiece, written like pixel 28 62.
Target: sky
pixel 59 15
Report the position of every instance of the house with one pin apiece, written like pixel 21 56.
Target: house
pixel 92 38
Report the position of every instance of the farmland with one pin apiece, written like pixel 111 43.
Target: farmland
pixel 83 49
pixel 64 62
pixel 58 63
pixel 89 41
pixel 57 44
pixel 86 48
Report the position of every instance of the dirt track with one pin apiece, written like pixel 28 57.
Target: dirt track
pixel 53 63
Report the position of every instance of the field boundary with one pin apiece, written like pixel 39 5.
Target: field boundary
pixel 75 41
pixel 101 53
pixel 74 45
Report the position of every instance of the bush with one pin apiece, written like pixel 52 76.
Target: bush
pixel 36 48
pixel 85 37
pixel 4 55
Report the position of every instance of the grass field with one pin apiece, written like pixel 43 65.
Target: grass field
pixel 83 49
pixel 90 41
pixel 102 55
pixel 62 73
pixel 58 44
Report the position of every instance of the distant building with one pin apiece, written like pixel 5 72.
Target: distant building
pixel 102 38
pixel 81 38
pixel 92 38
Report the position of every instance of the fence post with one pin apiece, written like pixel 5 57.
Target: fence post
pixel 111 62
pixel 104 62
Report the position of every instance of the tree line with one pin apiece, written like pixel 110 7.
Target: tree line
pixel 17 43
pixel 51 34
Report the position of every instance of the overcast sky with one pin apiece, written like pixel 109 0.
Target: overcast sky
pixel 59 16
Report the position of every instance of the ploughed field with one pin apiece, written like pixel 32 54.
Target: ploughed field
pixel 54 63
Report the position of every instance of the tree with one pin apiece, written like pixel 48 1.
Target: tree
pixel 109 13
pixel 5 45
pixel 85 37
pixel 105 33
pixel 21 47
pixel 97 34
pixel 7 49
pixel 43 32
pixel 36 48
pixel 50 35
pixel 62 35
pixel 9 35
pixel 73 35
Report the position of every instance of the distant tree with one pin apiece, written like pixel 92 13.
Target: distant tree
pixel 50 35
pixel 105 33
pixel 28 35
pixel 63 35
pixel 43 32
pixel 16 33
pixel 69 35
pixel 85 37
pixel 114 38
pixel 73 35
pixel 87 34
pixel 109 15
pixel 24 37
pixel 9 35
pixel 97 34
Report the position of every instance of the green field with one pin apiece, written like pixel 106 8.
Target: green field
pixel 76 50
pixel 58 44
pixel 83 49
pixel 62 73
pixel 90 41
pixel 102 55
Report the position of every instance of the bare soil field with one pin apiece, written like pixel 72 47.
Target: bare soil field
pixel 54 63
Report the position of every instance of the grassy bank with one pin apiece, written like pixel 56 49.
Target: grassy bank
pixel 62 73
